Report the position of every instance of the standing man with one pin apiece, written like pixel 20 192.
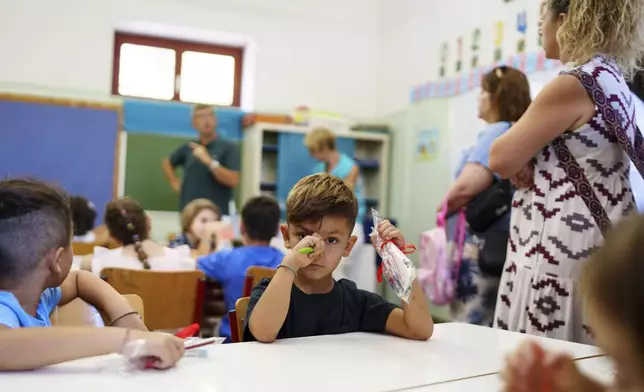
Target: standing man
pixel 210 165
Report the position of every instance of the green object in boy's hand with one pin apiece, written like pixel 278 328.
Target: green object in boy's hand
pixel 306 251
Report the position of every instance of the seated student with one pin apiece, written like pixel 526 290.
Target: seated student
pixel 611 285
pixel 303 299
pixel 83 217
pixel 35 258
pixel 260 221
pixel 202 229
pixel 129 226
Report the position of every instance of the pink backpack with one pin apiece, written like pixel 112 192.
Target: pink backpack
pixel 440 265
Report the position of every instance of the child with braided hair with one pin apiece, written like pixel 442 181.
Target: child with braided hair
pixel 129 226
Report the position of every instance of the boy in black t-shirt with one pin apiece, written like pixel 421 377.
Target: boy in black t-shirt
pixel 303 299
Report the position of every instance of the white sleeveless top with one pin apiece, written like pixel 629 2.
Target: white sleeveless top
pixel 176 259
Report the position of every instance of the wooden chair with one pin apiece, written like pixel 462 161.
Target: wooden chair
pixel 87 248
pixel 79 313
pixel 172 300
pixel 83 248
pixel 214 308
pixel 237 318
pixel 254 275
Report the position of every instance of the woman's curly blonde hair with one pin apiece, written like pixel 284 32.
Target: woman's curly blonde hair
pixel 614 28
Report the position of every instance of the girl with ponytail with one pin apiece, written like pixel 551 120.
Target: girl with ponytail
pixel 129 227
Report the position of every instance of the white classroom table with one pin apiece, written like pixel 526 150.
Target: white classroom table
pixel 355 362
pixel 599 368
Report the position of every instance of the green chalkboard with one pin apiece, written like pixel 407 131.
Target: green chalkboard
pixel 144 179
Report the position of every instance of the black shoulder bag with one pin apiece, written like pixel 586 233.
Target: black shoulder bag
pixel 489 206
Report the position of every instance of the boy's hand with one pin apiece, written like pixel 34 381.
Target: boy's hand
pixel 164 349
pixel 296 260
pixel 389 232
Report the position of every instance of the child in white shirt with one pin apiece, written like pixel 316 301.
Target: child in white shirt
pixel 129 226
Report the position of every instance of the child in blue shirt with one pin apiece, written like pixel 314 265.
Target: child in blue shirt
pixel 260 221
pixel 35 261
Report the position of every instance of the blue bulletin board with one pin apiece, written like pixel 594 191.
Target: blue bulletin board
pixel 74 147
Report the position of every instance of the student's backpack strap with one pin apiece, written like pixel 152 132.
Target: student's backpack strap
pixel 570 165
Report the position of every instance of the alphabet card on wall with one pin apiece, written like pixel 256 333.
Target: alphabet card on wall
pixel 459 54
pixel 443 56
pixel 476 47
pixel 522 28
pixel 498 41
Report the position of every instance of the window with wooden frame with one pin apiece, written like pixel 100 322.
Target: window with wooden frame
pixel 165 69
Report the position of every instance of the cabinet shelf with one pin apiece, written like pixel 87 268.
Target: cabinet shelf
pixel 368 164
pixel 268 186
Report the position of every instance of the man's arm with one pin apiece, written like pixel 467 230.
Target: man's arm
pixel 96 292
pixel 228 177
pixel 228 172
pixel 225 172
pixel 178 158
pixel 413 321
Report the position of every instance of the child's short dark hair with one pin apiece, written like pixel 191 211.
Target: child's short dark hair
pixel 83 215
pixel 261 218
pixel 35 218
pixel 612 280
pixel 319 195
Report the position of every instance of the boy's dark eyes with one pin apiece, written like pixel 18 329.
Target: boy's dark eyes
pixel 330 240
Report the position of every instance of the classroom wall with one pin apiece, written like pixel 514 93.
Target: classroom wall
pixel 417 181
pixel 412 32
pixel 316 52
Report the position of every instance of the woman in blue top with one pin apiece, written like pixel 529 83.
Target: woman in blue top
pixel 321 143
pixel 505 96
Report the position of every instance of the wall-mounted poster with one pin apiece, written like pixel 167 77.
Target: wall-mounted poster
pixel 427 143
pixel 476 46
pixel 498 41
pixel 459 54
pixel 522 28
pixel 444 53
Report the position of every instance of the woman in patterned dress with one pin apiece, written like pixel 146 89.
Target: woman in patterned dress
pixel 567 153
pixel 505 96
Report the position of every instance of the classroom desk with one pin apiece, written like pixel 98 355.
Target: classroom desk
pixel 599 368
pixel 356 362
